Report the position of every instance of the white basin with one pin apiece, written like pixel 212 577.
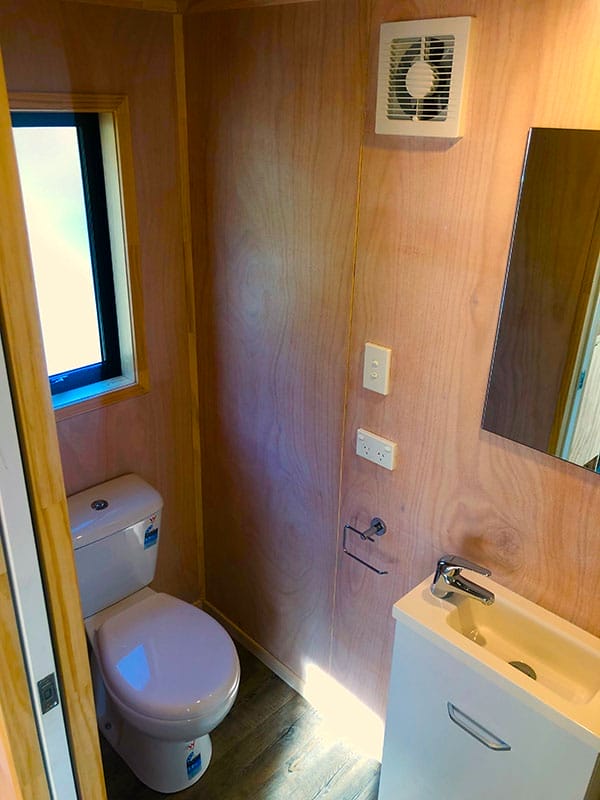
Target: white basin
pixel 562 662
pixel 565 659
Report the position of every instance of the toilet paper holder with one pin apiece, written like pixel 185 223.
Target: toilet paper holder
pixel 377 528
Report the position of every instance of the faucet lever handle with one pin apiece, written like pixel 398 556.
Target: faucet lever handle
pixel 449 562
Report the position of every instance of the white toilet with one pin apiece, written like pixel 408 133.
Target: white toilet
pixel 165 673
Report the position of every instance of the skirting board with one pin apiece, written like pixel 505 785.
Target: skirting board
pixel 263 655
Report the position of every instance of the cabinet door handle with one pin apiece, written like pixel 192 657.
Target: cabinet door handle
pixel 476 730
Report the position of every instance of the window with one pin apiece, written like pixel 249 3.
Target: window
pixel 79 227
pixel 62 181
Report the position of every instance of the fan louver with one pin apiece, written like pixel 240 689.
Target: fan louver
pixel 421 76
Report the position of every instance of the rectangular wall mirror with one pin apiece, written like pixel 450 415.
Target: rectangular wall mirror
pixel 544 385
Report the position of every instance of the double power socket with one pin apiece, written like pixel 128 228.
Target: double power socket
pixel 376 449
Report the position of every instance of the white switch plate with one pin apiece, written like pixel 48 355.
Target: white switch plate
pixel 376 372
pixel 376 449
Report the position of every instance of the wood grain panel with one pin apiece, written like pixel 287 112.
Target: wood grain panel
pixel 435 226
pixel 41 464
pixel 190 291
pixel 22 771
pixel 171 6
pixel 80 48
pixel 221 5
pixel 9 780
pixel 183 6
pixel 275 101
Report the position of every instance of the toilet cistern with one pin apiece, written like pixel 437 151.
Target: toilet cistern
pixel 448 579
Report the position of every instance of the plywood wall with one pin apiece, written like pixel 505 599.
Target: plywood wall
pixel 433 238
pixel 68 47
pixel 275 100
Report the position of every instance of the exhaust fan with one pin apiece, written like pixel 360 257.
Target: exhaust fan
pixel 421 77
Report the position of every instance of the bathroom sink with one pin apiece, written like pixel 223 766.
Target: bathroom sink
pixel 552 660
pixel 516 634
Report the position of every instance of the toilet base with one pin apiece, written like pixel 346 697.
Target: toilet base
pixel 161 765
pixel 164 766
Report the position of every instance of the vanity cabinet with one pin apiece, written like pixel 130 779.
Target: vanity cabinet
pixel 454 732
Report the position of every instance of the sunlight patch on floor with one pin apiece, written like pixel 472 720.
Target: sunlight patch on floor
pixel 348 717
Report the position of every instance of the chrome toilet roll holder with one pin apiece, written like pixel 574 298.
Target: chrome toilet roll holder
pixel 377 528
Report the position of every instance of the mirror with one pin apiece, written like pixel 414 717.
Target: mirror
pixel 544 384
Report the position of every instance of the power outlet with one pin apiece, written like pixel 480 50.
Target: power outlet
pixel 376 449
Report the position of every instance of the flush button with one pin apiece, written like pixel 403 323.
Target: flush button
pixel 99 505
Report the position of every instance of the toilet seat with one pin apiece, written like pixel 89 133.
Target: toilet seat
pixel 165 660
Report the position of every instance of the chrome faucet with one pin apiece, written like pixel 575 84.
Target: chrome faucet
pixel 448 580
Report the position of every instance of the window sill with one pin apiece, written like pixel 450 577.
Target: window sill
pixel 95 396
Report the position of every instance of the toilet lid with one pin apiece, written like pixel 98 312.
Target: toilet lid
pixel 166 659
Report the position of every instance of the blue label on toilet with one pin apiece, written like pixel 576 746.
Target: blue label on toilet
pixel 194 765
pixel 150 536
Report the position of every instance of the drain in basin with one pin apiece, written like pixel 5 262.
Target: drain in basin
pixel 521 665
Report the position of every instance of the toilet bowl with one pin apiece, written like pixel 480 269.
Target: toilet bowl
pixel 165 673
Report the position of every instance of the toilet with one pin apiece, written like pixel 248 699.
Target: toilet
pixel 165 673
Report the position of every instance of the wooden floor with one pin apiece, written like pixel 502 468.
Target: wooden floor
pixel 271 746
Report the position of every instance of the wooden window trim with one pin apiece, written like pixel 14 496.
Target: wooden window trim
pixel 117 107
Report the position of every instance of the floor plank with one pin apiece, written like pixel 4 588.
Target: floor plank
pixel 271 746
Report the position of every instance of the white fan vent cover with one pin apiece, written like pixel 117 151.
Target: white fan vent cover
pixel 422 65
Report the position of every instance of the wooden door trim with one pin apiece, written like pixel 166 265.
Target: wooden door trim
pixel 43 471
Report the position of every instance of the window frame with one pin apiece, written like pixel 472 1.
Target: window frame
pixel 112 112
pixel 87 127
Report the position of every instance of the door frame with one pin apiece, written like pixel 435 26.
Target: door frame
pixel 36 428
pixel 27 594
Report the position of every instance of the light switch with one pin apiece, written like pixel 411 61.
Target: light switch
pixel 376 373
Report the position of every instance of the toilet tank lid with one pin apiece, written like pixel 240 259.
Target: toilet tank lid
pixel 110 507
